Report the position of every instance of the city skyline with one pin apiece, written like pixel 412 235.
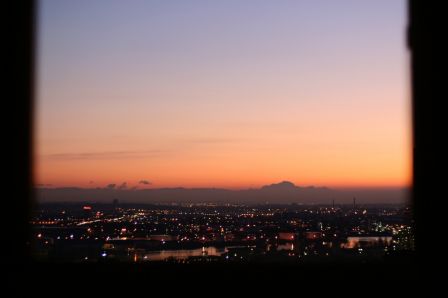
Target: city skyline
pixel 231 95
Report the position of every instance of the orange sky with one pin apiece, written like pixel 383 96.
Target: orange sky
pixel 235 98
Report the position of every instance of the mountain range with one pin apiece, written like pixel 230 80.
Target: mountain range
pixel 277 193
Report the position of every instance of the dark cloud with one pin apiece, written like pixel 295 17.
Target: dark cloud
pixel 44 185
pixel 146 182
pixel 124 185
pixel 111 186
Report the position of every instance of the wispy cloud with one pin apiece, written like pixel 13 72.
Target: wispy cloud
pixel 213 140
pixel 135 154
pixel 105 155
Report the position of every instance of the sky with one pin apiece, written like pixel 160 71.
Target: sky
pixel 234 94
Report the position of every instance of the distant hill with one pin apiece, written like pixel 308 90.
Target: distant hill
pixel 283 192
pixel 280 186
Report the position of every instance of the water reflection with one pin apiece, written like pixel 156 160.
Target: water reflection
pixel 184 253
pixel 286 246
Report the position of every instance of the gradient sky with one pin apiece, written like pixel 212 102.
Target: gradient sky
pixel 235 94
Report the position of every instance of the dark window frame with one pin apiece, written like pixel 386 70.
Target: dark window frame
pixel 422 43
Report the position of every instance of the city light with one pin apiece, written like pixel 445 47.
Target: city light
pixel 230 233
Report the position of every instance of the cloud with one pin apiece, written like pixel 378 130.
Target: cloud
pixel 146 182
pixel 106 155
pixel 209 141
pixel 212 140
pixel 111 186
pixel 124 185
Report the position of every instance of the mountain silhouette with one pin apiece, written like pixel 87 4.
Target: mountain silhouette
pixel 280 186
pixel 281 193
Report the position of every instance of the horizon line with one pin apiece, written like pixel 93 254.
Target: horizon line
pixel 139 186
